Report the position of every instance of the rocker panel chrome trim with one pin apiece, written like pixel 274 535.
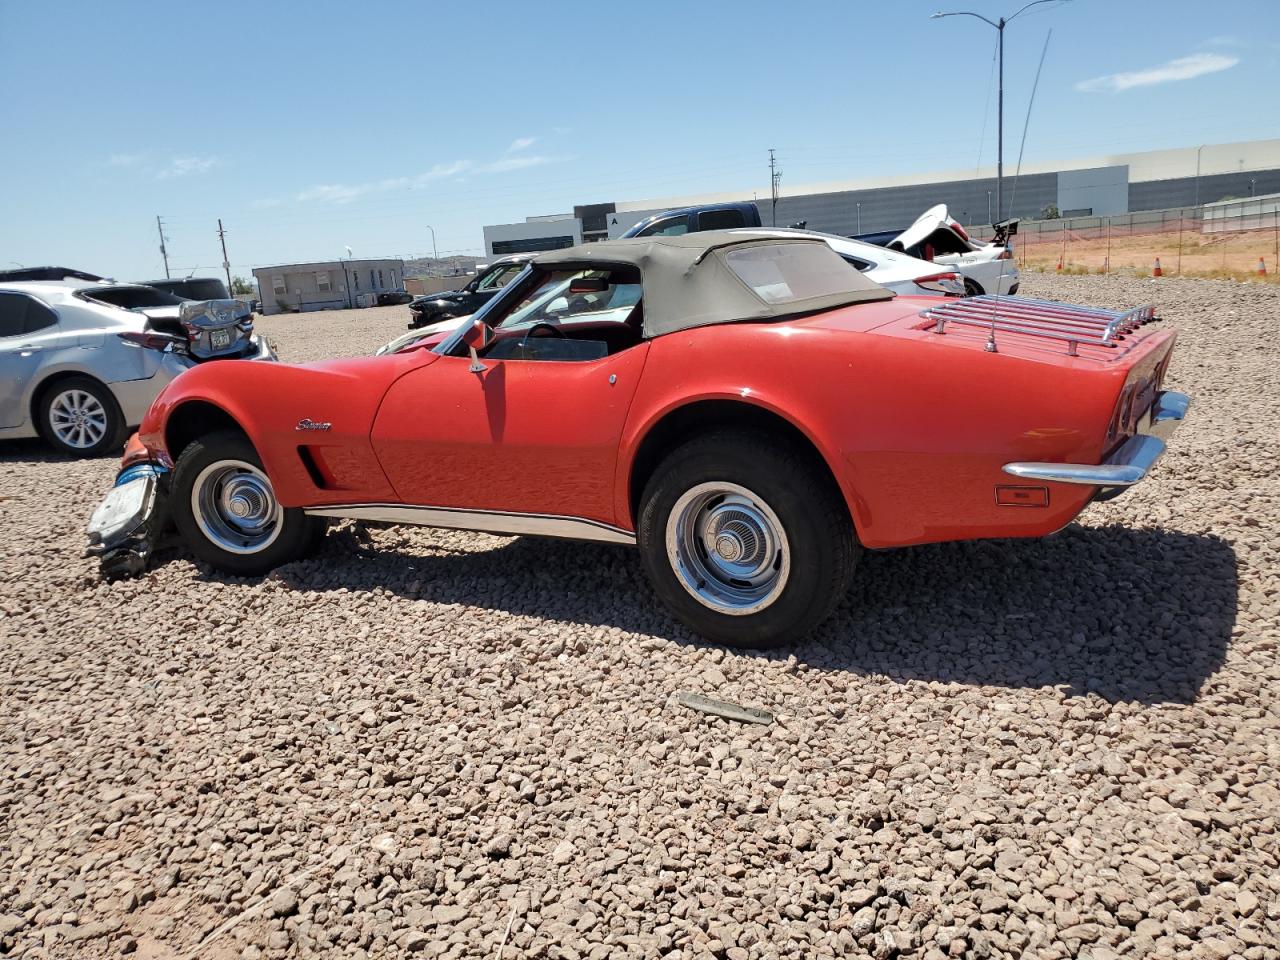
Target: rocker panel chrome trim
pixel 485 521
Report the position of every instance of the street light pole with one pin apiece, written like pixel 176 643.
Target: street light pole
pixel 1198 149
pixel 434 254
pixel 999 27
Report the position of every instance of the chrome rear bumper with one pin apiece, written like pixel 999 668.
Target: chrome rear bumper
pixel 1130 463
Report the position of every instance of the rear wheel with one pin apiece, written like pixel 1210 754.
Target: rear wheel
pixel 226 509
pixel 746 539
pixel 80 417
pixel 972 289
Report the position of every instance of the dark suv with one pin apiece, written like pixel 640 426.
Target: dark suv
pixel 434 307
pixel 194 288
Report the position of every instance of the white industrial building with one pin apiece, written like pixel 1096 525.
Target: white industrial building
pixel 327 284
pixel 1081 187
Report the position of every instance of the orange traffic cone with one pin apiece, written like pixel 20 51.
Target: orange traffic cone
pixel 1059 263
pixel 1156 271
pixel 1262 267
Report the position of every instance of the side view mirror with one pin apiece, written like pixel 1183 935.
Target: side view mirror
pixel 477 336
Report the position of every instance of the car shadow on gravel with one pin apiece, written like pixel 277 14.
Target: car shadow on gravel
pixel 1126 614
pixel 1140 615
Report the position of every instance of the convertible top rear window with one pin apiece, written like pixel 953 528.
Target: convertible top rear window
pixel 787 272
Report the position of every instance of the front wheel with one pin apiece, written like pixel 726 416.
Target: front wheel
pixel 226 509
pixel 746 539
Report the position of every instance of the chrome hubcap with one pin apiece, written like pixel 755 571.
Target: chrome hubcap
pixel 78 419
pixel 235 507
pixel 728 548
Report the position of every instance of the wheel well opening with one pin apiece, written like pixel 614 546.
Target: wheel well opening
pixel 688 421
pixel 192 420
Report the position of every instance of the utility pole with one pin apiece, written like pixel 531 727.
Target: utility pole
pixel 999 26
pixel 163 252
pixel 775 177
pixel 226 264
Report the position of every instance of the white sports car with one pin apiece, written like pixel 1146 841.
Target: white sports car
pixel 81 360
pixel 937 237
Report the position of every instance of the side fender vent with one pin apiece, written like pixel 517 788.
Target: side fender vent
pixel 313 469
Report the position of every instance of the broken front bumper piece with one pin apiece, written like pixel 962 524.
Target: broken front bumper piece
pixel 125 528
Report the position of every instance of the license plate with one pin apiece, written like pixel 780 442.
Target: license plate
pixel 220 338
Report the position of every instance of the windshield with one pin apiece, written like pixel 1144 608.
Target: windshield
pixel 553 299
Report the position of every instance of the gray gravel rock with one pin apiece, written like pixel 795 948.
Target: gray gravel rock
pixel 1056 748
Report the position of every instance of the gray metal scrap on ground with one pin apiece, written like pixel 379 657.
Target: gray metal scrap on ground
pixel 719 708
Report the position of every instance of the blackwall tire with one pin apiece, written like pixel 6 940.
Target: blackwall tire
pixel 79 417
pixel 225 509
pixel 746 539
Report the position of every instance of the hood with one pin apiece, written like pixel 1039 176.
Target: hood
pixel 937 227
pixel 427 335
pixel 442 295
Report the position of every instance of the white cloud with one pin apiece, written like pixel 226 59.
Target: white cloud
pixel 1183 68
pixel 186 166
pixel 346 192
pixel 521 143
pixel 125 159
pixel 515 163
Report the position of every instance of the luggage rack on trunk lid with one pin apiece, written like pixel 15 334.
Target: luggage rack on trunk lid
pixel 1071 324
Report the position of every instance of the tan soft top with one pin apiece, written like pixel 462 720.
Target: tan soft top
pixel 687 282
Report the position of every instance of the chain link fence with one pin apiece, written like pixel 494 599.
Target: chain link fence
pixel 1236 239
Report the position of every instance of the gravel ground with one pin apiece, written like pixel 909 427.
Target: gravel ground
pixel 448 744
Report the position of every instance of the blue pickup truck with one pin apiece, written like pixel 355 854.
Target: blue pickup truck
pixel 711 216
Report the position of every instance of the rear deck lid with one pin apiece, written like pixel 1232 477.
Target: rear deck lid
pixel 1077 331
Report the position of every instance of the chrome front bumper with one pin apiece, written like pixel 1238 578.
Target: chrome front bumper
pixel 1130 463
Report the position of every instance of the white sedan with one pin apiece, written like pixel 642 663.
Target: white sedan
pixel 892 269
pixel 80 361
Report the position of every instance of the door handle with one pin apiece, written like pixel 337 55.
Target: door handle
pixel 27 349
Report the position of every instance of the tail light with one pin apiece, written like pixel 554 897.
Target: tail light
pixel 948 284
pixel 149 340
pixel 1005 254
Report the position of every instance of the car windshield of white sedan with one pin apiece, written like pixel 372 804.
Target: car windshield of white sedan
pixel 786 272
pixel 554 299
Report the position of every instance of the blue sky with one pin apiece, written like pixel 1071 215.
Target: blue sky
pixel 311 128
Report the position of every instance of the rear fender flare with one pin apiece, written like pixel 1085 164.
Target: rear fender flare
pixel 636 434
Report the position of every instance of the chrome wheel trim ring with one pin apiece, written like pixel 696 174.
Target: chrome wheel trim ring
pixel 78 418
pixel 235 507
pixel 728 548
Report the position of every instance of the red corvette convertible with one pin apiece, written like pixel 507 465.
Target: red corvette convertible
pixel 751 412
